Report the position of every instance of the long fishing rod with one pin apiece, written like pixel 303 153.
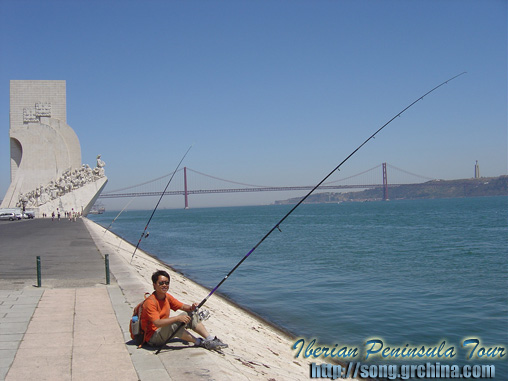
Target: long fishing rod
pixel 118 215
pixel 277 225
pixel 158 202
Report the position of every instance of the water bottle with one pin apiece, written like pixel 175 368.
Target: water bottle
pixel 135 325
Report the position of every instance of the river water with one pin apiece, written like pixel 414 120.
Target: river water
pixel 407 273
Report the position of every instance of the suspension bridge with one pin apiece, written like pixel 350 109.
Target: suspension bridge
pixel 193 182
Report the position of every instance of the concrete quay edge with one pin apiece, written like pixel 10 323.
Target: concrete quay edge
pixel 96 344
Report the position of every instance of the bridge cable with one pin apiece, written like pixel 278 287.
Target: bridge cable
pixel 350 177
pixel 410 173
pixel 227 181
pixel 140 184
pixel 299 203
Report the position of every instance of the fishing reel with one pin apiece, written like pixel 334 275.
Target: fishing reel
pixel 203 314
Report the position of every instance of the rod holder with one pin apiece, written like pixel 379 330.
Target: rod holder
pixel 39 271
pixel 106 260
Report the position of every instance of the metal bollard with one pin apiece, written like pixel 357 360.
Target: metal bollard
pixel 106 260
pixel 39 271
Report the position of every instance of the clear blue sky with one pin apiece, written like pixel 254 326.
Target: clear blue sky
pixel 270 92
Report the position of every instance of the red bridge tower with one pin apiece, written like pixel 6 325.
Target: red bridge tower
pixel 385 183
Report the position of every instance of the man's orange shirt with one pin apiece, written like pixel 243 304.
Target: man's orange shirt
pixel 154 309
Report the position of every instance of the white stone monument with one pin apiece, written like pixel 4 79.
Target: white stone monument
pixel 46 171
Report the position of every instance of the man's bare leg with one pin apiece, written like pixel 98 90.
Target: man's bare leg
pixel 200 328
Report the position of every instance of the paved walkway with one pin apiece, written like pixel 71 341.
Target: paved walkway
pixel 68 254
pixel 75 327
pixel 67 329
pixel 73 335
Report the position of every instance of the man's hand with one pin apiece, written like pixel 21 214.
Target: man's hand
pixel 183 318
pixel 189 308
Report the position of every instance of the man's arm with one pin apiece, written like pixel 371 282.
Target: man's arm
pixel 189 308
pixel 170 320
pixel 177 319
pixel 154 315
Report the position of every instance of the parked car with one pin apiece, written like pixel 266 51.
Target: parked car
pixel 29 214
pixel 18 215
pixel 8 216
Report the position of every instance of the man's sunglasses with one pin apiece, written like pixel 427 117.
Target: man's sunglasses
pixel 163 282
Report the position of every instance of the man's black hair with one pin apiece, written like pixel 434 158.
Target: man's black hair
pixel 157 274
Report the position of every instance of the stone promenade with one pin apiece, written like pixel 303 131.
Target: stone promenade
pixel 67 329
pixel 75 326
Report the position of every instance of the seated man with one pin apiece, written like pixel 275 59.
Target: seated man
pixel 157 324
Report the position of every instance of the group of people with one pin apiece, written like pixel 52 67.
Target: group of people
pixel 72 215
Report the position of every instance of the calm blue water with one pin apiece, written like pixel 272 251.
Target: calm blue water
pixel 406 272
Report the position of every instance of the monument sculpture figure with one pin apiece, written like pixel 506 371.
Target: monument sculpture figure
pixel 100 166
pixel 46 169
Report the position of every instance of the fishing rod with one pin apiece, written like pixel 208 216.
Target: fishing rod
pixel 143 234
pixel 277 225
pixel 118 215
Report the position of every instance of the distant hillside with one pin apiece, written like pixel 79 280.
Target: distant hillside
pixel 486 186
